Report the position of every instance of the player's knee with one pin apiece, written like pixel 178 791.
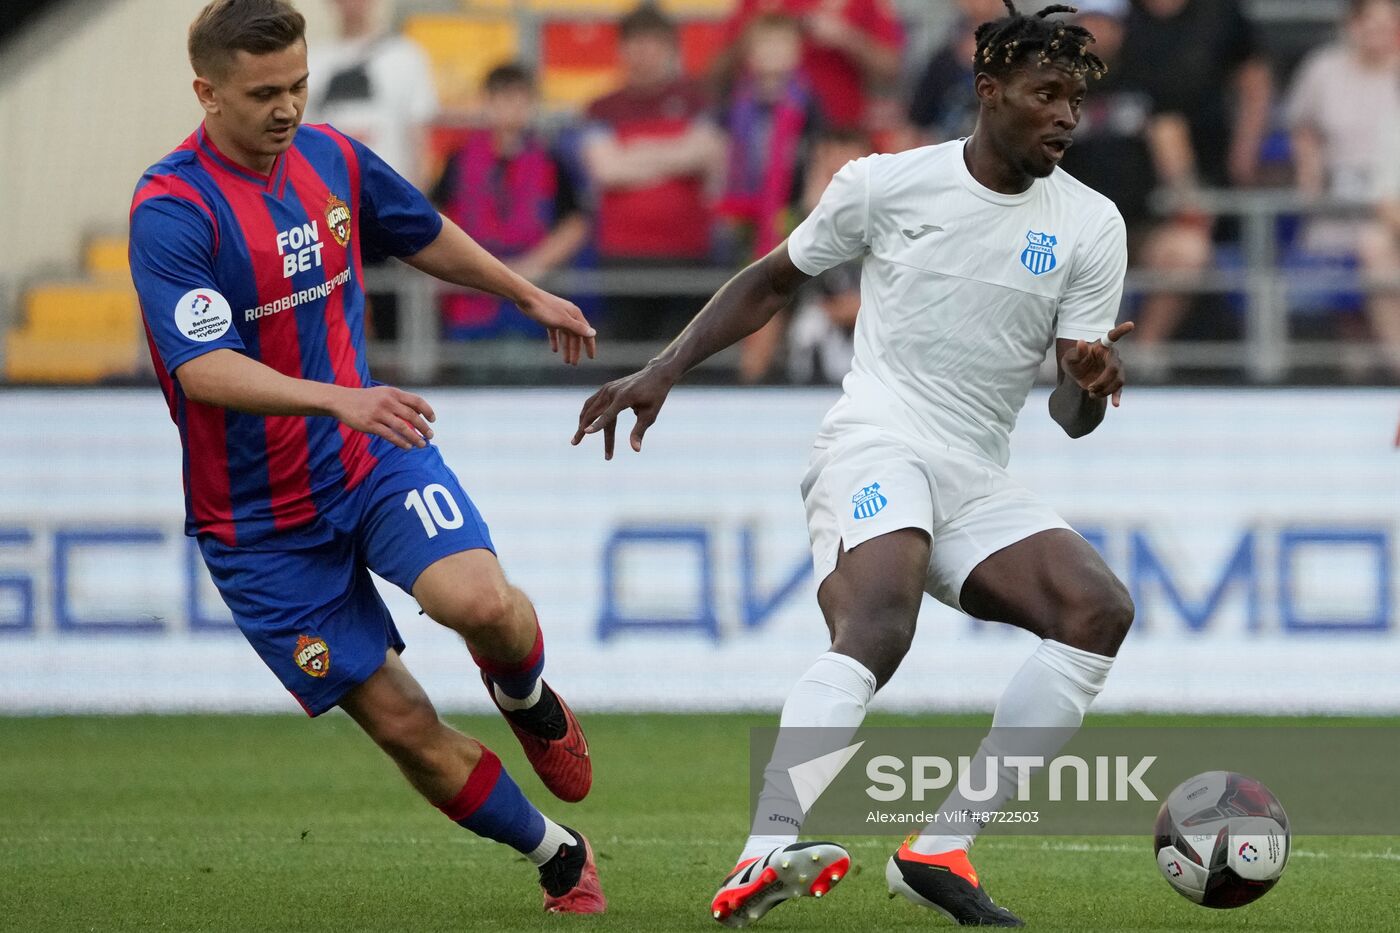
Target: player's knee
pixel 481 609
pixel 1100 620
pixel 879 635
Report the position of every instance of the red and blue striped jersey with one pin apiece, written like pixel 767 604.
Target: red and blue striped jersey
pixel 268 266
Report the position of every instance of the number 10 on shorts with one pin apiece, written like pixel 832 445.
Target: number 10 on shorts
pixel 436 509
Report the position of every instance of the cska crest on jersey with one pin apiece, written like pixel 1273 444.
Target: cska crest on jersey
pixel 338 219
pixel 1039 254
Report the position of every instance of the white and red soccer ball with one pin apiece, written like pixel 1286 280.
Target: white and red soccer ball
pixel 1222 839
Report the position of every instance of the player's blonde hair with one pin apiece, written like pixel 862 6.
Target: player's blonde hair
pixel 224 27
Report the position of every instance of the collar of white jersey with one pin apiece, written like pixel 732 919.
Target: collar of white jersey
pixel 981 190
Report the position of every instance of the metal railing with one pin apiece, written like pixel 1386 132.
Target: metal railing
pixel 1265 353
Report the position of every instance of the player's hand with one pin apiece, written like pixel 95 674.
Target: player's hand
pixel 1098 369
pixel 644 392
pixel 568 328
pixel 400 417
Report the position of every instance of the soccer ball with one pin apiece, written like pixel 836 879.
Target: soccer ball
pixel 1222 839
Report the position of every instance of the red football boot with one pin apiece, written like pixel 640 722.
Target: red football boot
pixel 553 742
pixel 570 881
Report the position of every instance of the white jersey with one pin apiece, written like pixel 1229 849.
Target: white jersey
pixel 962 291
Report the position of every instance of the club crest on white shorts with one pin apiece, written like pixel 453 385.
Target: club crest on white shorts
pixel 868 501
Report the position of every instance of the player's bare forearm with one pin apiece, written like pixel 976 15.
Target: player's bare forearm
pixel 743 305
pixel 1074 409
pixel 228 379
pixel 456 258
pixel 1089 375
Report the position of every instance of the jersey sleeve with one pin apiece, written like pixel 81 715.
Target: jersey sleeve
pixel 1089 307
pixel 172 267
pixel 396 219
pixel 838 230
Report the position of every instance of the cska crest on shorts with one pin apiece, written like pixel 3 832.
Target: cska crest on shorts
pixel 338 219
pixel 313 656
pixel 1039 254
pixel 868 501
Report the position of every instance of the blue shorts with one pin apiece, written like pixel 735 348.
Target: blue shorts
pixel 305 600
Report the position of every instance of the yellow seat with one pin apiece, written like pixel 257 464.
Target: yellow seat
pixel 76 332
pixel 76 310
pixel 611 9
pixel 40 359
pixel 709 9
pixel 462 50
pixel 105 257
pixel 616 8
pixel 576 88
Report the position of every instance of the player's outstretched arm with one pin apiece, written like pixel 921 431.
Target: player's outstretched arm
pixel 229 379
pixel 742 306
pixel 1089 375
pixel 455 257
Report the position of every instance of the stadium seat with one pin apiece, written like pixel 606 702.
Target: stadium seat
pixel 462 50
pixel 578 44
pixel 701 41
pixel 578 61
pixel 602 9
pixel 83 332
pixel 104 257
pixel 575 88
pixel 712 9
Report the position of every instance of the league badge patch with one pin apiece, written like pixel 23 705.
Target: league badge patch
pixel 338 220
pixel 313 656
pixel 1039 254
pixel 203 315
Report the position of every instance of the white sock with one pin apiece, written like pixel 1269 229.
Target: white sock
pixel 832 695
pixel 554 837
pixel 1051 692
pixel 511 704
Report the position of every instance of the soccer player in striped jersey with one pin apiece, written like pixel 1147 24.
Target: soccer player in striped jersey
pixel 303 475
pixel 978 256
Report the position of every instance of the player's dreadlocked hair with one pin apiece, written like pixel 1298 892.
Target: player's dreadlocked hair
pixel 1005 44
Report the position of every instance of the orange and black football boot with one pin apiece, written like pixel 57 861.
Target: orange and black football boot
pixel 947 882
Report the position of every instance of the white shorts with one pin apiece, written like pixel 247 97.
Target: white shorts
pixel 869 484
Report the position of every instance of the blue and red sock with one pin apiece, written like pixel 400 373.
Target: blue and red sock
pixel 492 805
pixel 516 679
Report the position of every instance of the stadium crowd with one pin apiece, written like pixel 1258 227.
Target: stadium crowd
pixel 681 171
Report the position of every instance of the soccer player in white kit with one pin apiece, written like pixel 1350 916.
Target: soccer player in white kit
pixel 978 257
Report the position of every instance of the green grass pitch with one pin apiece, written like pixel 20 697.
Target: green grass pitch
pixel 248 823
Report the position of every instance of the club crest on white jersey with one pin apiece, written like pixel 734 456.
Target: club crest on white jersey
pixel 868 501
pixel 1039 254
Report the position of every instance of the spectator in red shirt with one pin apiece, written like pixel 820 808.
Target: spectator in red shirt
pixel 849 48
pixel 653 155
